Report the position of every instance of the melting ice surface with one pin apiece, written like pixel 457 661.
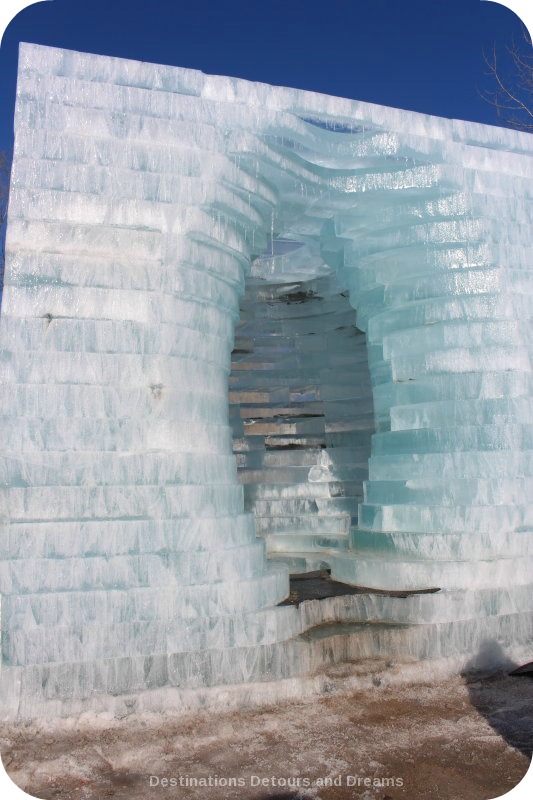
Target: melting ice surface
pixel 368 268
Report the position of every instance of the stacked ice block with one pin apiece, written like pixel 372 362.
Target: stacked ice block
pixel 141 197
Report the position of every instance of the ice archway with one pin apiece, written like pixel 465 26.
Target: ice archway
pixel 302 415
pixel 141 197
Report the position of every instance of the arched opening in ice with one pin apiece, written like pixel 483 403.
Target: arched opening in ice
pixel 302 416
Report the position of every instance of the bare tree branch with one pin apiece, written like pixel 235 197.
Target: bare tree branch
pixel 512 95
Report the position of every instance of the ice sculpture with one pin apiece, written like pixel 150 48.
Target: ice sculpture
pixel 146 201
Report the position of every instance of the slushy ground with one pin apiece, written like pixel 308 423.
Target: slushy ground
pixel 465 738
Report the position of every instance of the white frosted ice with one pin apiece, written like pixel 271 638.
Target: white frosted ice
pixel 356 279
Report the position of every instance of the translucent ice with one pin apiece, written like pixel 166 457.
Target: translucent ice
pixel 356 280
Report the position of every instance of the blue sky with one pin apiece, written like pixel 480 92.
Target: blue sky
pixel 424 55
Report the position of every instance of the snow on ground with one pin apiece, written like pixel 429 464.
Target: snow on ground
pixel 453 739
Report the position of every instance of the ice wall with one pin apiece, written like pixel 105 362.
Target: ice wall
pixel 124 531
pixel 141 197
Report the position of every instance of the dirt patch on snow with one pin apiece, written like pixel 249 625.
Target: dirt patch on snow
pixel 452 740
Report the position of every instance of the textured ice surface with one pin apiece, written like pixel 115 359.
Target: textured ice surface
pixel 358 279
